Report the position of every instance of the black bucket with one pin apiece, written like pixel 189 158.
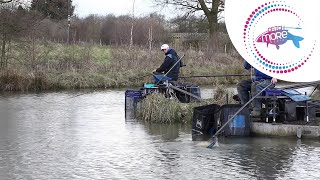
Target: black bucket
pixel 132 97
pixel 204 122
pixel 239 125
pixel 289 108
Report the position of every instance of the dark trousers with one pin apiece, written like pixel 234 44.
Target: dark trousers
pixel 160 76
pixel 245 87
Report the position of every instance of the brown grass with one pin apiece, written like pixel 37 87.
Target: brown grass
pixel 58 66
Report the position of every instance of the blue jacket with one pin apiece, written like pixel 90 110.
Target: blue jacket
pixel 170 59
pixel 258 74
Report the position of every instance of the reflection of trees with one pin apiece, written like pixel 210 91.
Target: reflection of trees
pixel 263 158
pixel 167 132
pixel 169 150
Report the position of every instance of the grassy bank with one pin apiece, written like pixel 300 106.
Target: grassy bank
pixel 50 66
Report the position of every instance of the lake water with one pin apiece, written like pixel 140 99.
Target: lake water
pixel 84 135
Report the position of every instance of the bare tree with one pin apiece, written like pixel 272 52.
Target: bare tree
pixel 9 27
pixel 132 24
pixel 210 8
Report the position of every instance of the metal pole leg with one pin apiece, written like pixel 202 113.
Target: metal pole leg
pixel 267 110
pixel 307 109
pixel 274 109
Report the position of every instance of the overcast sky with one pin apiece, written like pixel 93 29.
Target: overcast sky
pixel 117 7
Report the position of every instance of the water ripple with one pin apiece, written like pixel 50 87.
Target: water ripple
pixel 85 136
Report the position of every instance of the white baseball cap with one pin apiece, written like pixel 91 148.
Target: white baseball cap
pixel 164 46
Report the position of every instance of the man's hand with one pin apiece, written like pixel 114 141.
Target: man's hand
pixel 155 70
pixel 274 80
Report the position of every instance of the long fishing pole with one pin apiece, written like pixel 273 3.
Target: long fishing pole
pixel 218 75
pixel 77 95
pixel 302 85
pixel 314 90
pixel 214 138
pixel 140 77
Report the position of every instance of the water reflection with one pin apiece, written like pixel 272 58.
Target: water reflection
pixel 85 136
pixel 167 132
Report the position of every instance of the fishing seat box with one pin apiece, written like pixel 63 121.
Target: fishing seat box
pixel 273 92
pixel 240 125
pixel 204 121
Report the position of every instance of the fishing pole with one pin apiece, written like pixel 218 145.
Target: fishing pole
pixel 73 96
pixel 292 27
pixel 213 140
pixel 314 90
pixel 140 77
pixel 77 95
pixel 302 85
pixel 218 75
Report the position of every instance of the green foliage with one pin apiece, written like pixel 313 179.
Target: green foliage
pixel 55 9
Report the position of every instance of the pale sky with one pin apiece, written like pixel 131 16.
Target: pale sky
pixel 118 7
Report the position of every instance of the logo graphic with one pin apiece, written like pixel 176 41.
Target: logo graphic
pixel 278 35
pixel 199 124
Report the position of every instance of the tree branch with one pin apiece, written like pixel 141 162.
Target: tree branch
pixel 210 8
pixel 204 7
pixel 182 4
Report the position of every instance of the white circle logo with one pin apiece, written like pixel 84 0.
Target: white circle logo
pixel 279 38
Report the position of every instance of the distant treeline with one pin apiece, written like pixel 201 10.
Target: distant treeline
pixel 43 21
pixel 41 48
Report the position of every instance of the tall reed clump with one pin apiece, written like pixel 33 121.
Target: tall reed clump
pixel 156 108
pixel 14 80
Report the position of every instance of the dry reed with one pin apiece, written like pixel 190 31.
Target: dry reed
pixel 156 108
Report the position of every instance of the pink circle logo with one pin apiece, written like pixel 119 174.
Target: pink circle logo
pixel 277 37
